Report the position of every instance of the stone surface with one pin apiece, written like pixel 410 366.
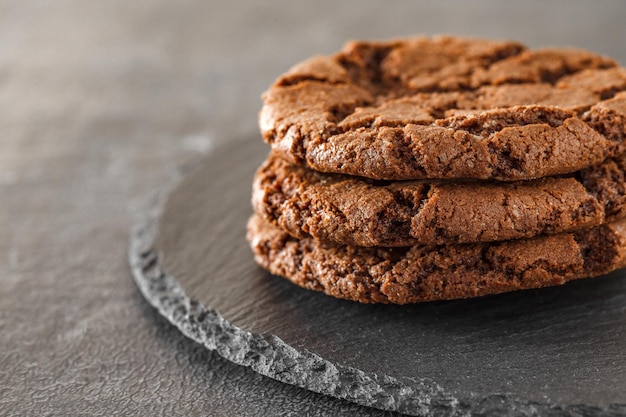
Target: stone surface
pixel 101 102
pixel 555 350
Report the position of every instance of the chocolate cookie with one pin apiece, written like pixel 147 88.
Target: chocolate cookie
pixel 357 211
pixel 448 108
pixel 420 273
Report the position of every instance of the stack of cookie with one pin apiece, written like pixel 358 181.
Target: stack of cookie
pixel 442 168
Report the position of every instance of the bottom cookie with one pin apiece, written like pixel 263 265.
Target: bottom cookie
pixel 420 273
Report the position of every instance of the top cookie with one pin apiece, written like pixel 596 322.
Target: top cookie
pixel 448 108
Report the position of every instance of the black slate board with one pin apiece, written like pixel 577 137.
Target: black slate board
pixel 555 351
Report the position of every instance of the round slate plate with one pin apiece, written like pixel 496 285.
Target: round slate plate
pixel 555 351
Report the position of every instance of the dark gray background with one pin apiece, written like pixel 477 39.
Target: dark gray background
pixel 101 103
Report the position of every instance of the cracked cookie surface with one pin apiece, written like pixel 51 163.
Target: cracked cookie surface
pixel 422 273
pixel 358 211
pixel 448 107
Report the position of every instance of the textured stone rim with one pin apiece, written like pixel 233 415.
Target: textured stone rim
pixel 272 357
